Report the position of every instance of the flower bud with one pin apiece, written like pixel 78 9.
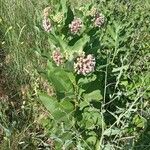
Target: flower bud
pixel 92 11
pixel 58 17
pixel 75 25
pixel 46 12
pixel 57 57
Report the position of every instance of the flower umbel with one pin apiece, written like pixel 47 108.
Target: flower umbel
pixel 75 25
pixel 47 25
pixel 84 64
pixel 98 20
pixel 57 57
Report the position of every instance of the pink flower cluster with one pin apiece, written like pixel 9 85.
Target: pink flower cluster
pixel 98 20
pixel 57 57
pixel 47 25
pixel 84 64
pixel 75 25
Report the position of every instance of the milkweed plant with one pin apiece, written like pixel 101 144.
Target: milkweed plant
pixel 85 67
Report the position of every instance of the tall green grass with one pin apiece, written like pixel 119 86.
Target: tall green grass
pixel 19 39
pixel 19 19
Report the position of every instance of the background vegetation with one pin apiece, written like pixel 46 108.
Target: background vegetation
pixel 22 37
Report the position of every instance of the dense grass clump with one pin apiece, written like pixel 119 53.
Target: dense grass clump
pixel 74 74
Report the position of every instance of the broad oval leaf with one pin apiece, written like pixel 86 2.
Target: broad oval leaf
pixel 50 103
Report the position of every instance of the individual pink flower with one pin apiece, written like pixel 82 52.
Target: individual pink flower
pixel 47 25
pixel 84 64
pixel 57 57
pixel 76 25
pixel 98 20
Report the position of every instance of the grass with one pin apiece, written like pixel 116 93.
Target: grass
pixel 20 113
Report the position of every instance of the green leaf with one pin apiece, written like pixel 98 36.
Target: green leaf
pixel 87 80
pixel 139 121
pixel 70 17
pixel 52 39
pixel 79 13
pixel 62 115
pixel 83 104
pixel 61 81
pixel 79 45
pixel 107 147
pixel 50 65
pixel 91 118
pixel 64 6
pixel 112 32
pixel 58 84
pixel 66 106
pixel 63 44
pixel 72 78
pixel 60 111
pixel 95 95
pixel 91 140
pixel 49 102
pixel 110 132
pixel 69 65
pixel 59 115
